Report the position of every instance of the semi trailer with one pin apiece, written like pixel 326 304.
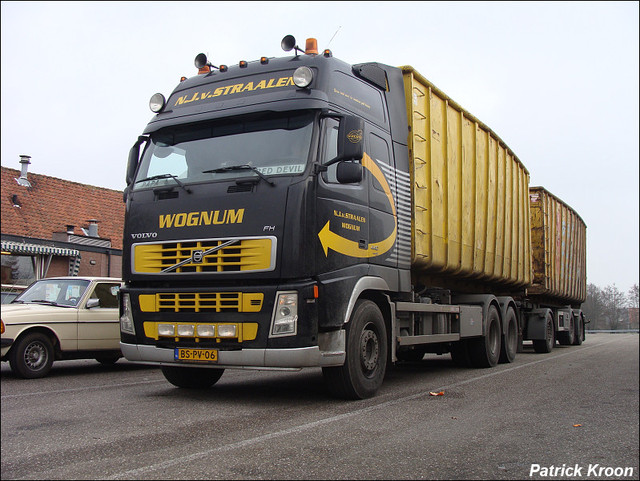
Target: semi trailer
pixel 298 212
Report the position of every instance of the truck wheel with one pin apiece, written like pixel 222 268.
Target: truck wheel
pixel 192 377
pixel 32 356
pixel 485 351
pixel 579 331
pixel 546 345
pixel 365 365
pixel 509 346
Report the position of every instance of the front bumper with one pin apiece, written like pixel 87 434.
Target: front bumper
pixel 329 352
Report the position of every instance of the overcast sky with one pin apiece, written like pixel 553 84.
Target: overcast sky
pixel 557 81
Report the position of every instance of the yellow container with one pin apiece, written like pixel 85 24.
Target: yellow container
pixel 470 196
pixel 558 245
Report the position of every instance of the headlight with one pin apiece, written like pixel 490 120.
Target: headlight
pixel 284 321
pixel 156 104
pixel 227 330
pixel 126 319
pixel 302 77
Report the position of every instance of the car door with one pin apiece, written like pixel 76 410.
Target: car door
pixel 98 318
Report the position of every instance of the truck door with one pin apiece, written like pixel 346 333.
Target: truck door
pixel 342 222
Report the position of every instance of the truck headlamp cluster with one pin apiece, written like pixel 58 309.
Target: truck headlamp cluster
pixel 302 77
pixel 157 102
pixel 126 319
pixel 284 321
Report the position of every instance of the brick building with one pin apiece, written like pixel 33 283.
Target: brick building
pixel 55 227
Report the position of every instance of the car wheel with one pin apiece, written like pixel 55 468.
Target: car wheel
pixel 32 356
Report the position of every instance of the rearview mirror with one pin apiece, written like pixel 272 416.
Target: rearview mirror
pixel 351 138
pixel 134 155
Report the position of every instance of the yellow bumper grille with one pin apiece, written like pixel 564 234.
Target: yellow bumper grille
pixel 202 302
pixel 205 256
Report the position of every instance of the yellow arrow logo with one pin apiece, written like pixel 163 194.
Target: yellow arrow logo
pixel 331 240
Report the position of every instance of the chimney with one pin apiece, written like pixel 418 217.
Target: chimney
pixel 22 180
pixel 93 228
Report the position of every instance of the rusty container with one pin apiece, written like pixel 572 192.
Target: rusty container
pixel 559 252
pixel 470 198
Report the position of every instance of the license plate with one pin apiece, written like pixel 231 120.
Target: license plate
pixel 198 355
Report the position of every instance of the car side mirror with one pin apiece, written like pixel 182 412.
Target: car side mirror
pixel 91 303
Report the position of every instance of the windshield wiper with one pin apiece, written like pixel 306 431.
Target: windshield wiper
pixel 166 176
pixel 44 301
pixel 240 167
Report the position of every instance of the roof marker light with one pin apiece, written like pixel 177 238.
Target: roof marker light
pixel 243 64
pixel 264 60
pixel 327 53
pixel 223 68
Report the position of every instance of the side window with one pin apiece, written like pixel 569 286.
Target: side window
pixel 330 149
pixel 379 153
pixel 107 294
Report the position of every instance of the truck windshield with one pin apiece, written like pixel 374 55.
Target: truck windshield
pixel 274 145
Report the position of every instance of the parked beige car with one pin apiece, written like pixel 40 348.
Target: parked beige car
pixel 61 318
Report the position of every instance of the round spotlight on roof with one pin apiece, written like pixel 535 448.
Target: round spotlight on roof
pixel 157 102
pixel 302 77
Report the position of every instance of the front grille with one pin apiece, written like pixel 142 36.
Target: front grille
pixel 205 256
pixel 202 302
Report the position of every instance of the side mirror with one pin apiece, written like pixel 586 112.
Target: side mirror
pixel 134 155
pixel 93 303
pixel 351 138
pixel 349 172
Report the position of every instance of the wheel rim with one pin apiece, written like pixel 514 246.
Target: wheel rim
pixel 550 339
pixel 369 350
pixel 35 356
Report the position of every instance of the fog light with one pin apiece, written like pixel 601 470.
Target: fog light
pixel 227 330
pixel 206 330
pixel 166 330
pixel 186 330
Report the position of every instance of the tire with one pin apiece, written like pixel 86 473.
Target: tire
pixel 32 356
pixel 485 351
pixel 365 365
pixel 192 377
pixel 509 346
pixel 108 360
pixel 545 345
pixel 578 338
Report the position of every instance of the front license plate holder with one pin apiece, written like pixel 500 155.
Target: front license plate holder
pixel 181 354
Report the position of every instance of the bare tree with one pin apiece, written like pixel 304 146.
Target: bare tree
pixel 615 307
pixel 632 296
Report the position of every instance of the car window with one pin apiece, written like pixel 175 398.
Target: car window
pixel 64 292
pixel 107 294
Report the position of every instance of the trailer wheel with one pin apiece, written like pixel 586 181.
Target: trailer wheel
pixel 485 351
pixel 192 377
pixel 509 346
pixel 365 365
pixel 546 345
pixel 32 356
pixel 579 331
